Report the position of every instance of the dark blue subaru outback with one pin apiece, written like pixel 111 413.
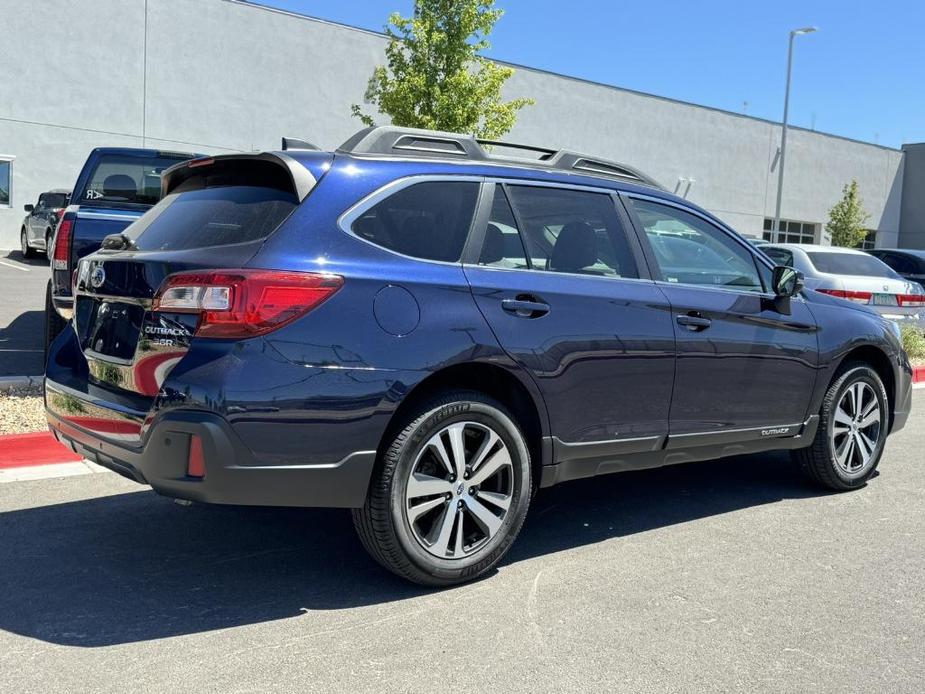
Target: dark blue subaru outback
pixel 427 330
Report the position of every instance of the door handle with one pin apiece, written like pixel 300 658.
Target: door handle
pixel 694 322
pixel 525 307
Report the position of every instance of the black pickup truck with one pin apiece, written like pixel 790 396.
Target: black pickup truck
pixel 115 187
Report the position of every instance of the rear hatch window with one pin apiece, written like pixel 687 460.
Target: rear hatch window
pixel 125 179
pixel 850 264
pixel 212 217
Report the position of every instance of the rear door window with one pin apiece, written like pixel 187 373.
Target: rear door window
pixel 428 220
pixel 126 179
pixel 557 230
pixel 212 217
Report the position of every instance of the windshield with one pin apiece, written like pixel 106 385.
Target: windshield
pixel 212 217
pixel 126 179
pixel 850 264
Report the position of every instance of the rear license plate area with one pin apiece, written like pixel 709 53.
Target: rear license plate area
pixel 109 328
pixel 885 300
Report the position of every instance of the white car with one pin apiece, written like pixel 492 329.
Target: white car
pixel 853 275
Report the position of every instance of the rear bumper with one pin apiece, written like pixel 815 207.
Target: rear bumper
pixel 64 306
pixel 233 476
pixel 903 316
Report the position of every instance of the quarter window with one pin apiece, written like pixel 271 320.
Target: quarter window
pixel 557 230
pixel 779 256
pixel 690 250
pixel 427 220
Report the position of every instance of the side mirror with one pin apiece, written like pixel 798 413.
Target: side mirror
pixel 28 208
pixel 786 282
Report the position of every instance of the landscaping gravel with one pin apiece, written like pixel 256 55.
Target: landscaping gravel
pixel 22 410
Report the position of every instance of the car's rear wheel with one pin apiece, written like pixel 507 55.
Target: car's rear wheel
pixel 48 236
pixel 24 246
pixel 853 425
pixel 450 492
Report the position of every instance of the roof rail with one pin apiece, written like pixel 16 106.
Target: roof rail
pixel 413 142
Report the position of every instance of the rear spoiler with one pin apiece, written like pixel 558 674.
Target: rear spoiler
pixel 275 170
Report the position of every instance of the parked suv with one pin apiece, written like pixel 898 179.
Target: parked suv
pixel 41 220
pixel 426 333
pixel 114 188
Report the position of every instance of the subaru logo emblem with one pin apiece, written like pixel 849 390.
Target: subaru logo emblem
pixel 97 277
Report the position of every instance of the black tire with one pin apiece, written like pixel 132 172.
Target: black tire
pixel 27 250
pixel 48 249
pixel 818 460
pixel 383 524
pixel 54 323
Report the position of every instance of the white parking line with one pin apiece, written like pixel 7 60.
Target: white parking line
pixel 15 267
pixel 44 472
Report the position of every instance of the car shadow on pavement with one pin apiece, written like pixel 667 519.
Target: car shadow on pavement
pixel 37 260
pixel 21 345
pixel 134 567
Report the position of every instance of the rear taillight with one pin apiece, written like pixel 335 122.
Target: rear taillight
pixel 244 303
pixel 858 297
pixel 62 245
pixel 196 461
pixel 911 300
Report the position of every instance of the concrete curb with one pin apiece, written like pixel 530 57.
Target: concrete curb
pixel 7 382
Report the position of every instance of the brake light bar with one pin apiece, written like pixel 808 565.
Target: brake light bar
pixel 911 300
pixel 62 245
pixel 857 297
pixel 244 303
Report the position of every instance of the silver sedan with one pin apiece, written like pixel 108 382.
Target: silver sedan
pixel 856 276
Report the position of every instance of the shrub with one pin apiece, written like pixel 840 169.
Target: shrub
pixel 914 342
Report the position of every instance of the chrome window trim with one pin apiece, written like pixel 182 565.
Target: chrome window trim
pixel 351 214
pixel 555 273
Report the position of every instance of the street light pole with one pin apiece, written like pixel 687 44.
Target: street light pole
pixel 783 133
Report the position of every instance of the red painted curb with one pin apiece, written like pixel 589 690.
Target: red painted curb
pixel 918 374
pixel 38 448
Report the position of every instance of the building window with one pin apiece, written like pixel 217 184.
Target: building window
pixel 790 231
pixel 870 241
pixel 6 181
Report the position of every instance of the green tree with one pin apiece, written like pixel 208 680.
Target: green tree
pixel 847 218
pixel 436 77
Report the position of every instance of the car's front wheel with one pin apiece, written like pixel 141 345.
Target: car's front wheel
pixel 853 425
pixel 450 492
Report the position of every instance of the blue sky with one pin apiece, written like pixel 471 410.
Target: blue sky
pixel 862 75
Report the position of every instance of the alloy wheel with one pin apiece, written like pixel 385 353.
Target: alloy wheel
pixel 856 428
pixel 460 490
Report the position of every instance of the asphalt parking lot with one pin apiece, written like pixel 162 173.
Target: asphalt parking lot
pixel 22 313
pixel 724 576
